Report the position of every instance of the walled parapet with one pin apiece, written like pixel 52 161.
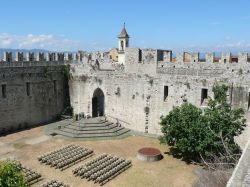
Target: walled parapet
pixel 141 61
pixel 163 56
pixel 240 176
pixel 149 56
pixel 209 57
pixel 74 55
pixel 187 57
pixel 68 56
pixel 31 59
pixel 194 57
pixel 136 55
pixel 40 57
pixel 100 56
pixel 86 59
pixel 19 56
pixel 50 56
pixel 180 57
pixel 96 55
pixel 7 56
pixel 30 56
pixel 79 57
pixel 226 58
pixel 59 56
pixel 47 56
pixel 132 55
pixel 167 55
pixel 242 57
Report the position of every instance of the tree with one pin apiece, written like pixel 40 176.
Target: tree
pixel 201 135
pixel 11 175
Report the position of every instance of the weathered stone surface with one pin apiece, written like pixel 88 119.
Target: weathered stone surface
pixel 142 84
pixel 23 107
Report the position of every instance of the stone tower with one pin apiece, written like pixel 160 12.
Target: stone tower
pixel 123 44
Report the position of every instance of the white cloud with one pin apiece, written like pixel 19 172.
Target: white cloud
pixel 43 41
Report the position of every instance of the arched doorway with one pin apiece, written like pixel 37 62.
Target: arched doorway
pixel 98 103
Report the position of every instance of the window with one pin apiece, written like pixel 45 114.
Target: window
pixel 55 86
pixel 165 93
pixel 140 55
pixel 122 45
pixel 28 88
pixel 248 106
pixel 3 90
pixel 204 95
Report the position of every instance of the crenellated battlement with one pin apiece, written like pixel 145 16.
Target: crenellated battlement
pixel 153 61
pixel 154 55
pixel 146 60
pixel 21 59
pixel 41 57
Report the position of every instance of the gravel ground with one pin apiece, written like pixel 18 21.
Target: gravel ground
pixel 27 145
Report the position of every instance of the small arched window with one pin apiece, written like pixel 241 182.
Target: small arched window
pixel 122 45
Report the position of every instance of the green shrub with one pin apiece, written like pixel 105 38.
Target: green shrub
pixel 195 134
pixel 11 175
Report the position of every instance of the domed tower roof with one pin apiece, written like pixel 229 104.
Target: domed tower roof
pixel 124 33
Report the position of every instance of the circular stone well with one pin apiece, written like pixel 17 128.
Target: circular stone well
pixel 149 154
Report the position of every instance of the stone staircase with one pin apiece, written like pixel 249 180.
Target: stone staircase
pixel 90 129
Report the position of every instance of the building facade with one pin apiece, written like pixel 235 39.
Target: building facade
pixel 152 82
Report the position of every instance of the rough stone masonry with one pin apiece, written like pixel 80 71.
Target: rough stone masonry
pixel 136 92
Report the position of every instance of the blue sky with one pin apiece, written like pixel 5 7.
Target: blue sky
pixel 190 25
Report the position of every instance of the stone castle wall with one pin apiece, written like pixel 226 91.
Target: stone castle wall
pixel 138 91
pixel 135 96
pixel 33 88
pixel 31 93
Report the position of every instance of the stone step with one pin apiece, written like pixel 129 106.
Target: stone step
pixel 73 128
pixel 94 120
pixel 88 121
pixel 95 128
pixel 92 136
pixel 81 127
pixel 113 130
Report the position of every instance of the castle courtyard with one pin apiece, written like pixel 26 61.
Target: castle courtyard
pixel 125 93
pixel 27 145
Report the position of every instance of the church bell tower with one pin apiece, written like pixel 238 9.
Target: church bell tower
pixel 123 44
